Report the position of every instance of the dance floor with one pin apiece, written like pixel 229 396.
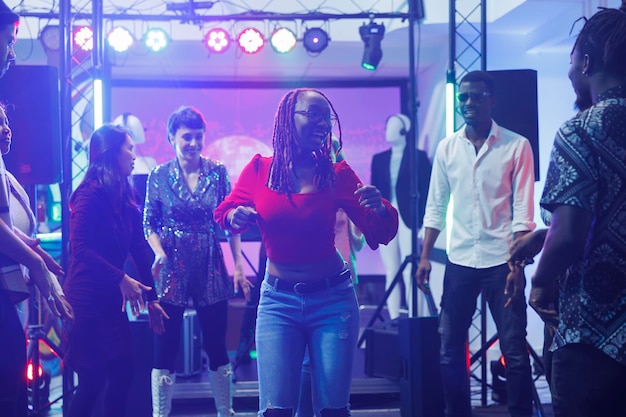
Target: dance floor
pixel 375 397
pixel 370 395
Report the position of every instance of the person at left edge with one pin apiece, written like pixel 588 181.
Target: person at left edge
pixel 18 250
pixel 105 228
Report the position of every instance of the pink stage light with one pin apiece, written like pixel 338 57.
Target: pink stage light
pixel 83 38
pixel 217 40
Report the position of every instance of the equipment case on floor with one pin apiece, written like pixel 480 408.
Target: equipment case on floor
pixel 189 360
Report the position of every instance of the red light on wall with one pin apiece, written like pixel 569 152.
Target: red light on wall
pixel 251 41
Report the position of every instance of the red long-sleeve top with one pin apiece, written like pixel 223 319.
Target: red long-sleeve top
pixel 300 228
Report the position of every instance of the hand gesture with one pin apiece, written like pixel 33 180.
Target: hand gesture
pixel 132 292
pixel 39 276
pixel 422 275
pixel 240 281
pixel 156 314
pixel 544 300
pixel 515 282
pixel 63 307
pixel 242 217
pixel 157 265
pixel 369 197
pixel 33 243
pixel 526 247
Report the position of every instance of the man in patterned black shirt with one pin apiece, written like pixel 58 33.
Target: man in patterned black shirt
pixel 586 244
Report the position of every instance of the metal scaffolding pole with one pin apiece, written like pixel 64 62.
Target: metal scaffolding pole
pixel 469 34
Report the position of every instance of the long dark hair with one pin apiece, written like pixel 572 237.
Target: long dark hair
pixel 280 178
pixel 104 147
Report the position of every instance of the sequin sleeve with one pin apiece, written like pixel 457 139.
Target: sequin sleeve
pixel 153 211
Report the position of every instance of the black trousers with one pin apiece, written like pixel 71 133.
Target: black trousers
pixel 213 321
pixel 13 392
pixel 587 383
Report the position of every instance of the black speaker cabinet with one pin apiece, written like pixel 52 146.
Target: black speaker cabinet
pixel 421 390
pixel 31 95
pixel 516 105
pixel 382 352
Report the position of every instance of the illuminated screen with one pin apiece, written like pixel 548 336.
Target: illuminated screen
pixel 239 119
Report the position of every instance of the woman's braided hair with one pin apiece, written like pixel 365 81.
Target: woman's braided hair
pixel 280 175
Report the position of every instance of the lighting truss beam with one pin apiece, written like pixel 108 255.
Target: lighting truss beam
pixel 241 17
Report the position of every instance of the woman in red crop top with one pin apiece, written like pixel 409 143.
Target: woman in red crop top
pixel 307 296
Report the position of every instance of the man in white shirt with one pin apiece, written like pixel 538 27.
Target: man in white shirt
pixel 486 172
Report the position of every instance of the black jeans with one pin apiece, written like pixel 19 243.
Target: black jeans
pixel 587 383
pixel 461 286
pixel 13 394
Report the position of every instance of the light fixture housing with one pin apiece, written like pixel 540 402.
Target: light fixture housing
pixel 283 40
pixel 372 34
pixel 156 40
pixel 315 40
pixel 50 37
pixel 217 40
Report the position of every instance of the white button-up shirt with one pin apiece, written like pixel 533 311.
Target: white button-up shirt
pixel 492 195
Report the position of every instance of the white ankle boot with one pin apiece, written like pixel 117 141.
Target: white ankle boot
pixel 221 385
pixel 162 382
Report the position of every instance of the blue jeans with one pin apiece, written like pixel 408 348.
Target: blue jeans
pixel 305 405
pixel 461 287
pixel 325 321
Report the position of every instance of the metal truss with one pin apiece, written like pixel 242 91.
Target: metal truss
pixel 80 68
pixel 468 50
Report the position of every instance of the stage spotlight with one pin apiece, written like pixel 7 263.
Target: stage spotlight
pixel 498 381
pixel 50 37
pixel 120 39
pixel 371 35
pixel 156 40
pixel 217 40
pixel 83 38
pixel 283 40
pixel 251 40
pixel 315 40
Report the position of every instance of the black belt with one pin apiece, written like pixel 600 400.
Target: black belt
pixel 302 288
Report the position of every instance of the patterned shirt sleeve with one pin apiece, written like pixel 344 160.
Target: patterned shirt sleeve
pixel 573 173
